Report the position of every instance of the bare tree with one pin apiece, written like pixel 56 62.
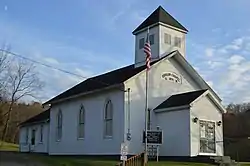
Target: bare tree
pixel 238 108
pixel 18 80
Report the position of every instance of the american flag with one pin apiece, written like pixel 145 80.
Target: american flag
pixel 147 51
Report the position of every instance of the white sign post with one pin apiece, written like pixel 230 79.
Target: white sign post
pixel 124 152
pixel 157 157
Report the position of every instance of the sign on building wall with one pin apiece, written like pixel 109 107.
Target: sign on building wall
pixel 172 77
pixel 153 137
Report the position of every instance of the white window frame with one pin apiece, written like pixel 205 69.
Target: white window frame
pixel 59 125
pixel 151 39
pixel 140 40
pixel 81 123
pixel 41 133
pixel 108 120
pixel 177 41
pixel 167 38
pixel 206 139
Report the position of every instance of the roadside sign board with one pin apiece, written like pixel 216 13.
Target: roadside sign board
pixel 123 158
pixel 124 149
pixel 153 137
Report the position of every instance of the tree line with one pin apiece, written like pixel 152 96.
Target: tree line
pixel 20 112
pixel 236 130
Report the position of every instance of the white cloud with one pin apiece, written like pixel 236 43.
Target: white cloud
pixel 227 68
pixel 236 44
pixel 236 80
pixel 238 41
pixel 84 73
pixel 209 52
pixel 232 47
pixel 235 59
pixel 121 12
pixel 215 64
pixel 247 46
pixel 51 60
pixel 222 50
pixel 57 81
pixel 138 16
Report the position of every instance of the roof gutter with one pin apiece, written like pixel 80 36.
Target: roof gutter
pixel 159 23
pixel 177 108
pixel 211 96
pixel 33 123
pixel 85 93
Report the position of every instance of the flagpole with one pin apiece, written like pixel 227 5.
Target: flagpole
pixel 146 102
pixel 146 121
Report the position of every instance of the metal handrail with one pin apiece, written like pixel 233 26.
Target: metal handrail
pixel 136 160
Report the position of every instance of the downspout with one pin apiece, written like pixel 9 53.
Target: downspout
pixel 127 118
pixel 48 133
pixel 128 110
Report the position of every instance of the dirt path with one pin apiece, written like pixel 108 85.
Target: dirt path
pixel 17 159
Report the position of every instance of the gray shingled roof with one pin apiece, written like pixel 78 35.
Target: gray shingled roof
pixel 160 15
pixel 43 116
pixel 111 78
pixel 181 99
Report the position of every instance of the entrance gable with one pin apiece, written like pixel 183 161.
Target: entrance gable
pixel 204 109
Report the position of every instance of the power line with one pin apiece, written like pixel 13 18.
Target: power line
pixel 49 66
pixel 41 63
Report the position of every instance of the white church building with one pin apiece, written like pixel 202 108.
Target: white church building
pixel 94 117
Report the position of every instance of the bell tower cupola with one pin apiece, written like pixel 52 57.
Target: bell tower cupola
pixel 166 34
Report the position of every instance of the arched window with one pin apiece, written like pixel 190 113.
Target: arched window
pixel 81 122
pixel 108 119
pixel 59 125
pixel 27 135
pixel 41 133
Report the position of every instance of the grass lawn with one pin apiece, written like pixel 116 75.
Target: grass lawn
pixel 4 146
pixel 245 163
pixel 163 163
pixel 74 161
pixel 78 161
pixel 187 164
pixel 83 161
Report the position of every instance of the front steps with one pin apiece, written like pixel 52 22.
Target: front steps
pixel 224 161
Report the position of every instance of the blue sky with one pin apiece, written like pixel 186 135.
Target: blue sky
pixel 90 37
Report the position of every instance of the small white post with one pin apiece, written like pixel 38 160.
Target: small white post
pixel 123 162
pixel 157 157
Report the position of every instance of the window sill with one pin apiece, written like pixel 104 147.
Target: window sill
pixel 207 154
pixel 108 137
pixel 80 139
